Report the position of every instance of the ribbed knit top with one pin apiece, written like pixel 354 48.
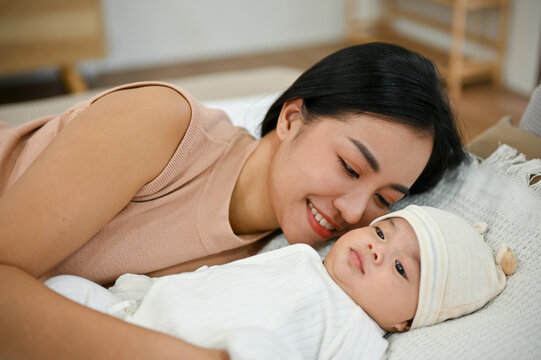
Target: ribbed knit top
pixel 181 215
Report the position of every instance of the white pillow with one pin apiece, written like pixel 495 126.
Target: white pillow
pixel 247 112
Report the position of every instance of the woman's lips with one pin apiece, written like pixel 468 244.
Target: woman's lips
pixel 356 259
pixel 316 226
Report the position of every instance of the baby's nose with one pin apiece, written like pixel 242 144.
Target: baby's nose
pixel 376 252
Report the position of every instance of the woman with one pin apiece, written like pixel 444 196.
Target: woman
pixel 144 179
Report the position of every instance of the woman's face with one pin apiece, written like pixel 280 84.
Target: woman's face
pixel 331 175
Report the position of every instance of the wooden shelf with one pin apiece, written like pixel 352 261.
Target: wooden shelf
pixel 456 67
pixel 38 34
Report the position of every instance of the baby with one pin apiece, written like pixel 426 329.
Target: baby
pixel 411 268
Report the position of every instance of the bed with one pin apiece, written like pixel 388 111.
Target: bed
pixel 502 190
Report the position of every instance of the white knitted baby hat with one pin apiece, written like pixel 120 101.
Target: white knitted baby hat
pixel 459 272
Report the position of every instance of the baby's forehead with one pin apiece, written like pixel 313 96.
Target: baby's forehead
pixel 403 225
pixel 399 225
pixel 404 235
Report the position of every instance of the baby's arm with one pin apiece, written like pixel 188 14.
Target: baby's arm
pixel 84 292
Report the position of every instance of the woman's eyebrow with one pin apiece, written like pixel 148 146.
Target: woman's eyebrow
pixel 404 190
pixel 366 153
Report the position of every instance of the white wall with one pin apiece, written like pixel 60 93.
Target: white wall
pixel 521 71
pixel 142 33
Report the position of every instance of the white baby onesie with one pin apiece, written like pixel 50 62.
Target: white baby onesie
pixel 275 304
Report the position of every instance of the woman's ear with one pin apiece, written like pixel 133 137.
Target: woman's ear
pixel 291 112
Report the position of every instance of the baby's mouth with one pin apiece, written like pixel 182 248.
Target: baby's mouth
pixel 357 260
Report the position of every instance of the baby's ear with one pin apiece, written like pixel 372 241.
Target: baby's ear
pixel 401 327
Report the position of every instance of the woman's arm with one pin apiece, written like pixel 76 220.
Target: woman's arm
pixel 40 324
pixel 88 173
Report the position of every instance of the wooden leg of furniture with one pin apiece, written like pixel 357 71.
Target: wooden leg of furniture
pixel 350 8
pixel 72 79
pixel 456 62
pixel 500 50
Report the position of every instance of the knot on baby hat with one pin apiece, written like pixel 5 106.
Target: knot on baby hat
pixel 458 270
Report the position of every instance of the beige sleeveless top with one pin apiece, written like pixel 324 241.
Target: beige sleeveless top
pixel 181 215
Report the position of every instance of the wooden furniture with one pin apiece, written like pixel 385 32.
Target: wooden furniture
pixel 39 34
pixel 457 67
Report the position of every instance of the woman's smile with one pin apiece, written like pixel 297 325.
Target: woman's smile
pixel 320 222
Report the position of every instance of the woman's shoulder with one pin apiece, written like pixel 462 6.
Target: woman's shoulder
pixel 145 101
pixel 163 103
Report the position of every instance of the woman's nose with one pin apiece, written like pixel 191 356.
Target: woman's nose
pixel 376 252
pixel 352 206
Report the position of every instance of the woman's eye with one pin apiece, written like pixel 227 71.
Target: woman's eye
pixel 400 268
pixel 383 202
pixel 349 171
pixel 380 233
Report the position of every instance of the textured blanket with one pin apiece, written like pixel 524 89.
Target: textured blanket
pixel 495 191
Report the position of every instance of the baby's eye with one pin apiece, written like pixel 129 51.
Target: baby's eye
pixel 349 171
pixel 380 233
pixel 400 268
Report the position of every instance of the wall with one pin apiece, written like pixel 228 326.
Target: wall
pixel 521 71
pixel 143 33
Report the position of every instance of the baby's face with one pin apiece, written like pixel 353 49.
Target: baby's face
pixel 379 268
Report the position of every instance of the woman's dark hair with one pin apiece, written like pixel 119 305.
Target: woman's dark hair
pixel 386 81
